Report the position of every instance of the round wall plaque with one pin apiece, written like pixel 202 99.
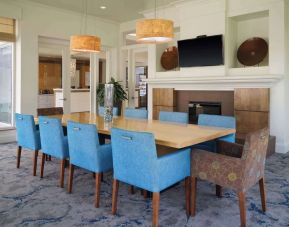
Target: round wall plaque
pixel 252 51
pixel 170 58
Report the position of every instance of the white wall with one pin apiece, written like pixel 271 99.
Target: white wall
pixel 34 20
pixel 212 17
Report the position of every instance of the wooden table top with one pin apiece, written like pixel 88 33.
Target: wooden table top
pixel 166 134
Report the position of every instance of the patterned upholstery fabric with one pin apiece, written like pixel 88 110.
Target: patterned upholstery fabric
pixel 101 111
pixel 236 173
pixel 135 161
pixel 177 117
pixel 53 141
pixel 136 113
pixel 85 150
pixel 216 121
pixel 27 134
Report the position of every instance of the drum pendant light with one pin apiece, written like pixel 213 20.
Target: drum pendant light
pixel 154 30
pixel 85 43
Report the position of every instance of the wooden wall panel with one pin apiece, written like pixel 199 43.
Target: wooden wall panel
pixel 164 99
pixel 252 99
pixel 249 121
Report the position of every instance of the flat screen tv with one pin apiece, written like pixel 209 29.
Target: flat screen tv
pixel 201 51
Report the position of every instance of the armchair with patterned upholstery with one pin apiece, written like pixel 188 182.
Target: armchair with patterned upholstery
pixel 236 172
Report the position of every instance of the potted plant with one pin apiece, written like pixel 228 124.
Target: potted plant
pixel 119 94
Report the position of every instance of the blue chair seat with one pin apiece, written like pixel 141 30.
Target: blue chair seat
pixel 135 162
pixel 216 121
pixel 177 117
pixel 54 143
pixel 86 152
pixel 136 113
pixel 27 137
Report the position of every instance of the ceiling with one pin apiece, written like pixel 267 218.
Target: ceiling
pixel 116 10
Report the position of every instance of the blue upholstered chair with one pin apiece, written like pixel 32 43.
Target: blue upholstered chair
pixel 54 143
pixel 177 117
pixel 101 111
pixel 136 113
pixel 27 137
pixel 135 162
pixel 216 121
pixel 86 152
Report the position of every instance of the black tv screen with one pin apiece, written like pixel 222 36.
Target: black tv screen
pixel 201 51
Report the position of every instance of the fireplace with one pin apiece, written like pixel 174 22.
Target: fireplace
pixel 196 108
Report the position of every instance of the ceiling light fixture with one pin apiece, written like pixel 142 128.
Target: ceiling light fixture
pixel 102 7
pixel 85 43
pixel 154 30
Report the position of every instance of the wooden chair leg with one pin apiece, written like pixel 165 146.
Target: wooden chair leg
pixel 42 165
pixel 131 189
pixel 242 207
pixel 101 177
pixel 219 191
pixel 35 162
pixel 156 206
pixel 70 178
pixel 97 189
pixel 263 193
pixel 62 169
pixel 188 195
pixel 193 195
pixel 49 158
pixel 18 156
pixel 114 195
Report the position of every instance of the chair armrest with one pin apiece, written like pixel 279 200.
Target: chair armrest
pixel 174 167
pixel 230 149
pixel 219 169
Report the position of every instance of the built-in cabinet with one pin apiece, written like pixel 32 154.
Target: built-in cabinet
pixel 164 99
pixel 50 71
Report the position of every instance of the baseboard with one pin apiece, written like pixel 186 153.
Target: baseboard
pixel 7 136
pixel 282 147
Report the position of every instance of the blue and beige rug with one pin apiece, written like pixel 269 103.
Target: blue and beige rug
pixel 30 201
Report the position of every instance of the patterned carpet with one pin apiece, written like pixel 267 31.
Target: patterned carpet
pixel 30 201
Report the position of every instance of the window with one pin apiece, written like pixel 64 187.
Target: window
pixel 5 84
pixel 7 38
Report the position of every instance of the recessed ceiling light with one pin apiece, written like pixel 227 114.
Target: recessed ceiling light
pixel 102 7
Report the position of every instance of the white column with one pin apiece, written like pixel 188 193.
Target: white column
pixel 94 81
pixel 131 78
pixel 66 80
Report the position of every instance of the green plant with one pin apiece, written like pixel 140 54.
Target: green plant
pixel 119 93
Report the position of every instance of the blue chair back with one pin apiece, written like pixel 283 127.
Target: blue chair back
pixel 134 157
pixel 136 113
pixel 84 148
pixel 27 135
pixel 219 121
pixel 101 111
pixel 177 117
pixel 53 141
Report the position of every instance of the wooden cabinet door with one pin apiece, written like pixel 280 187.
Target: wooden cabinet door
pixel 252 99
pixel 164 97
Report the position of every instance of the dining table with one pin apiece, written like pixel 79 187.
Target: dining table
pixel 172 135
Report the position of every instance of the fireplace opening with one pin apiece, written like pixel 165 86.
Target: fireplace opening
pixel 196 108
